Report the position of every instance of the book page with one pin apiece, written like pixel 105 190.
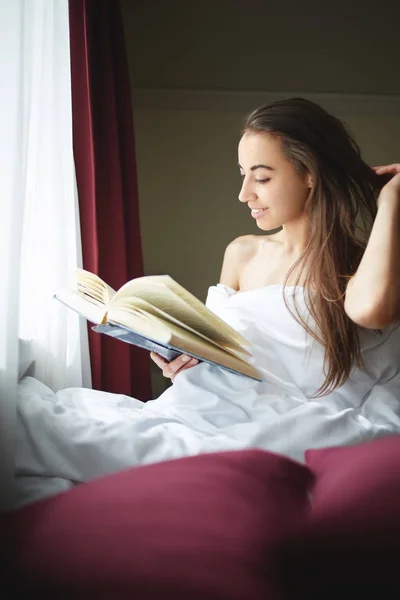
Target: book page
pixel 136 304
pixel 140 323
pixel 185 340
pixel 82 305
pixel 93 286
pixel 166 294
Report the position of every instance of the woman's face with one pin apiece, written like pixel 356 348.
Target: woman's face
pixel 272 187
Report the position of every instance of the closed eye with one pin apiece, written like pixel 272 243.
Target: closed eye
pixel 242 175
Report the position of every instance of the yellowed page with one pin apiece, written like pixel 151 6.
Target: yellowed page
pixel 93 286
pixel 141 324
pixel 166 294
pixel 139 304
pixel 186 341
pixel 82 305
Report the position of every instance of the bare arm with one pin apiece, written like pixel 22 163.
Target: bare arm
pixel 373 294
pixel 236 257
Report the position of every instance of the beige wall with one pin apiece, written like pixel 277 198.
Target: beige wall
pixel 188 186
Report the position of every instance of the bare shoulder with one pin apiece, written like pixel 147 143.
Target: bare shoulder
pixel 237 255
pixel 243 246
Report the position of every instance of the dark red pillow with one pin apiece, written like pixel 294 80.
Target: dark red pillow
pixel 201 527
pixel 351 543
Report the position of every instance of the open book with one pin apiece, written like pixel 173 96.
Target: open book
pixel 156 313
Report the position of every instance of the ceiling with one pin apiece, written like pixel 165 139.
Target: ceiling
pixel 348 47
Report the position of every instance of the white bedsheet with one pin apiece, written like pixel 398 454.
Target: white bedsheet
pixel 79 434
pixel 30 488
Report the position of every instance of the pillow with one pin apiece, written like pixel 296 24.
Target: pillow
pixel 351 544
pixel 25 355
pixel 198 527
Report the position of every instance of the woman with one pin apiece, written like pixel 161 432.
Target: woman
pixel 303 172
pixel 310 298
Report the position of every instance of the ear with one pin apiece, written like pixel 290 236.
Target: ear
pixel 309 180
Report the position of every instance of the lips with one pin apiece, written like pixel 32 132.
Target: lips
pixel 257 212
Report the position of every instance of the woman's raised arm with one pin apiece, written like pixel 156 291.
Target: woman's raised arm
pixel 373 294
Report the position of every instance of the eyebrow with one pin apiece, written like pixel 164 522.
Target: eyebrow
pixel 255 167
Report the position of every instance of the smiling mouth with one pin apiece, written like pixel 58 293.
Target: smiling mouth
pixel 256 212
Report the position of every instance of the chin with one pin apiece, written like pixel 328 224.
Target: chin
pixel 267 226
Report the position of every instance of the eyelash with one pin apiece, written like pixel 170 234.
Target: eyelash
pixel 259 180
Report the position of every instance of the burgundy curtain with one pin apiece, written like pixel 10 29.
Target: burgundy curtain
pixel 106 177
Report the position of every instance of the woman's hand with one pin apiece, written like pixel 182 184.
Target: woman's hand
pixel 392 187
pixel 171 368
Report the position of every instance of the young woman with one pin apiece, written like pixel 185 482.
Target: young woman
pixel 340 229
pixel 319 301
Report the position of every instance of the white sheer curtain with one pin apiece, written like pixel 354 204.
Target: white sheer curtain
pixel 39 224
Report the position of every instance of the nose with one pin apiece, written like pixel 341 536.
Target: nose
pixel 246 193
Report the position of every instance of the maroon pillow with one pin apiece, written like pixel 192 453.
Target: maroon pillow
pixel 351 543
pixel 198 527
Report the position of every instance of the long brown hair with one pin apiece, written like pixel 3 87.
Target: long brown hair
pixel 341 210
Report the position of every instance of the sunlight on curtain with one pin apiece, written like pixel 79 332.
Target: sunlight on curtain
pixel 39 225
pixel 11 199
pixel 50 236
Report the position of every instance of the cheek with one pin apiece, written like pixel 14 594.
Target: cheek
pixel 287 197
